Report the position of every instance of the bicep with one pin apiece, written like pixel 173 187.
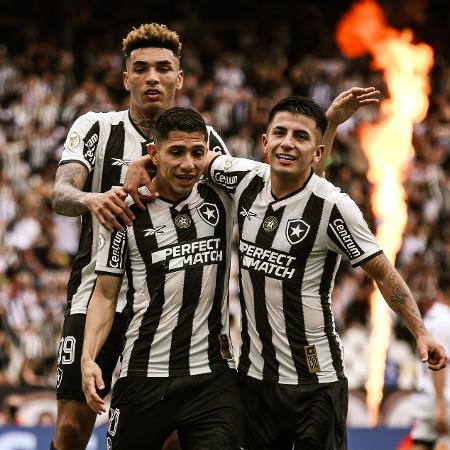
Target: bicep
pixel 73 174
pixel 108 286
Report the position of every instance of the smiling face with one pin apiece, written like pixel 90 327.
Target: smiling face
pixel 153 75
pixel 292 145
pixel 180 161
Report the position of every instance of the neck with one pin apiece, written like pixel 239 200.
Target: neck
pixel 144 121
pixel 283 186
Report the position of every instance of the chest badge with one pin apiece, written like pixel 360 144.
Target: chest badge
pixel 270 224
pixel 183 221
pixel 209 213
pixel 296 231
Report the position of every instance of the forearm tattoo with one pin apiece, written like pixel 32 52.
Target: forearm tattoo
pixel 68 195
pixel 397 294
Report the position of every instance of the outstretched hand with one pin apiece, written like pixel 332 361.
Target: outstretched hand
pixel 137 176
pixel 432 352
pixel 348 102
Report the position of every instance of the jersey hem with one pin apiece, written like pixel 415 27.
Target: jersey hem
pixel 291 381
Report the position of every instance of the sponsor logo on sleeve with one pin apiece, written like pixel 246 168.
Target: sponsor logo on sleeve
pixel 209 213
pixel 344 238
pixel 296 231
pixel 90 147
pixel 115 257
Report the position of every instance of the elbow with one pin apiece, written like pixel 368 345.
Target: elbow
pixel 56 205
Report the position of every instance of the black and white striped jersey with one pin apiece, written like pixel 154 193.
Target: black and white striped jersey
pixel 176 256
pixel 105 143
pixel 289 252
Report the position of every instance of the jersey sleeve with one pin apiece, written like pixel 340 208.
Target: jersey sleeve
pixel 82 141
pixel 216 143
pixel 349 234
pixel 230 173
pixel 112 252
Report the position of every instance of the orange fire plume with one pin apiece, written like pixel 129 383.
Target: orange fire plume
pixel 388 147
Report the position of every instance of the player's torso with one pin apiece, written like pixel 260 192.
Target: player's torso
pixel 110 145
pixel 287 275
pixel 179 257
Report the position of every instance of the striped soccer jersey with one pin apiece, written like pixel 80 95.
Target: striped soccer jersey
pixel 177 258
pixel 105 143
pixel 289 252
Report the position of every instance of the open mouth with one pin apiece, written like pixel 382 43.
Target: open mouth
pixel 285 158
pixel 152 93
pixel 185 179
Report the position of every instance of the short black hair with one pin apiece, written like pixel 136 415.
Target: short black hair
pixel 179 119
pixel 300 106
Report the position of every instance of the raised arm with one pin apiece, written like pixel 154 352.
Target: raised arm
pixel 342 108
pixel 400 299
pixel 69 199
pixel 99 319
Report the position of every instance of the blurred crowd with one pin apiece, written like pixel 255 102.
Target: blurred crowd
pixel 44 86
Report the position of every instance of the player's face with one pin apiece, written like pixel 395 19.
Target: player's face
pixel 180 159
pixel 292 145
pixel 153 75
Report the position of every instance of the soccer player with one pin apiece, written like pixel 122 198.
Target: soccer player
pixel 177 369
pixel 97 152
pixel 432 403
pixel 293 229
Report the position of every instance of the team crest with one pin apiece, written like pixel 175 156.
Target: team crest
pixel 73 140
pixel 270 224
pixel 59 377
pixel 296 231
pixel 209 213
pixel 182 221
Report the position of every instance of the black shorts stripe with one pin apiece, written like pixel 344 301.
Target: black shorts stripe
pixel 324 291
pixel 182 334
pixel 247 198
pixel 292 296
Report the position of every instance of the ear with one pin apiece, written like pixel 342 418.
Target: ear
pixel 180 79
pixel 318 153
pixel 125 81
pixel 151 149
pixel 264 142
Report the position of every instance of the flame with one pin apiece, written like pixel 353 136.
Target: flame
pixel 388 147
